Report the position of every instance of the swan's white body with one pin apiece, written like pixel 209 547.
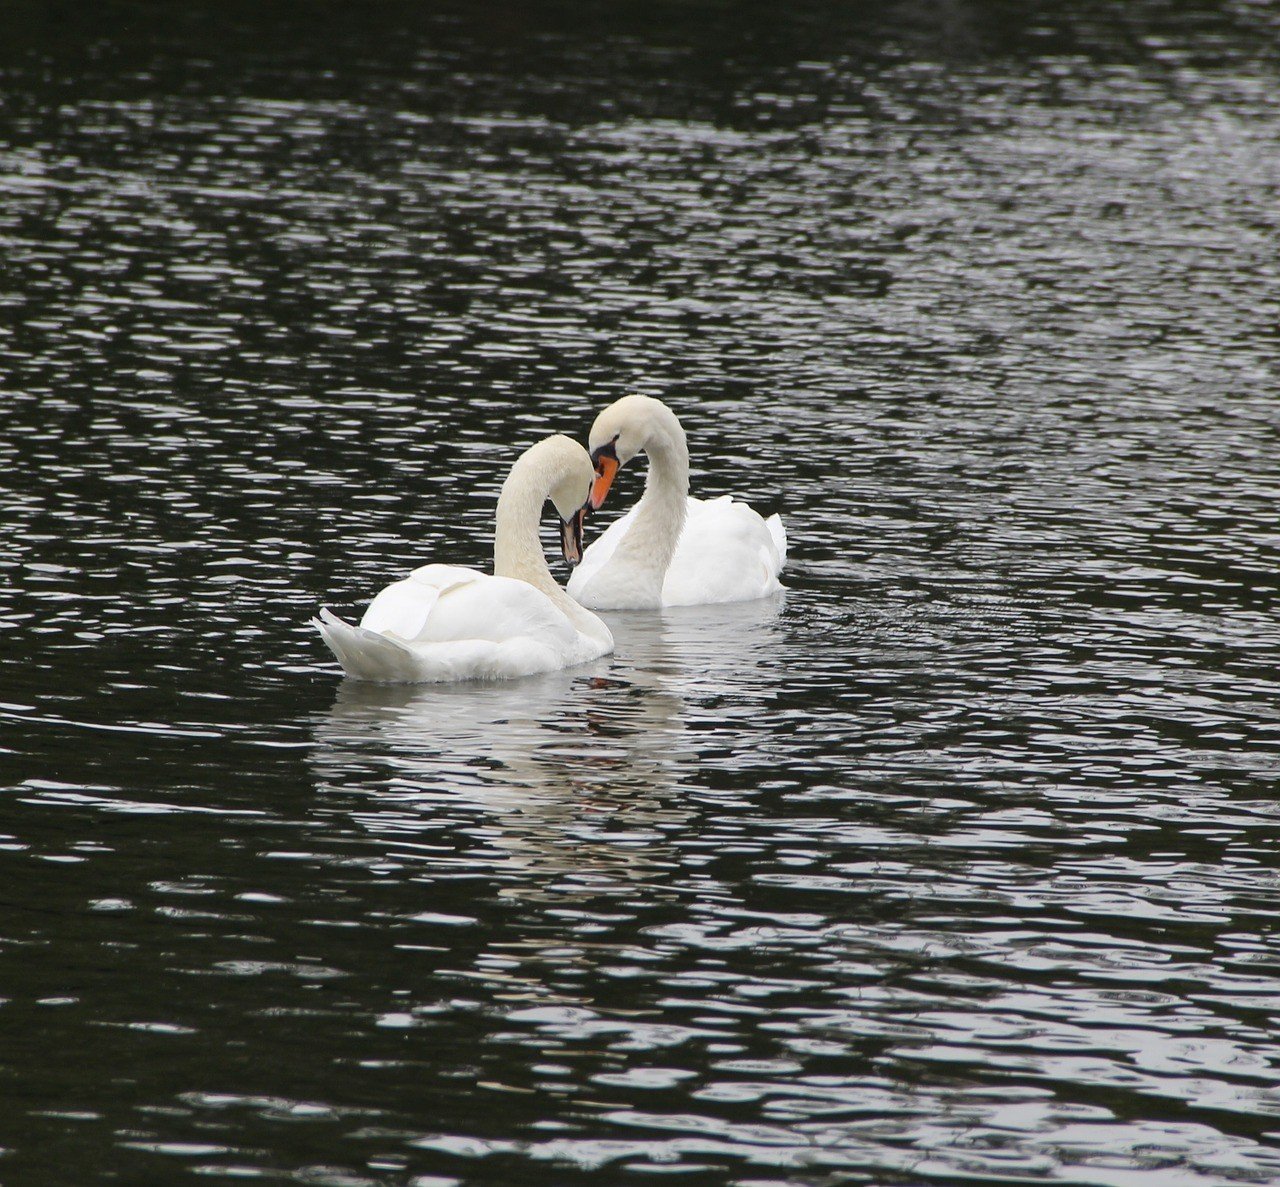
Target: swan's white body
pixel 444 623
pixel 672 549
pixel 726 552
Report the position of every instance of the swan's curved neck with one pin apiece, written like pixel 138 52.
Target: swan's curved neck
pixel 517 550
pixel 655 532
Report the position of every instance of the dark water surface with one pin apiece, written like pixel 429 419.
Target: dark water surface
pixel 956 864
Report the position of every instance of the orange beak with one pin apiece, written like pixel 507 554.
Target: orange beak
pixel 606 468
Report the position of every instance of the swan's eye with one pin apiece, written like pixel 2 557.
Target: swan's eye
pixel 605 460
pixel 605 451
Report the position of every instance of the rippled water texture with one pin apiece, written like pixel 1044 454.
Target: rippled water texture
pixel 957 863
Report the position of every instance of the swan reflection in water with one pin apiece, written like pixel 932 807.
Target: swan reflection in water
pixel 573 775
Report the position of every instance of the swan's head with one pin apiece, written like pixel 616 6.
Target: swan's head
pixel 627 427
pixel 569 474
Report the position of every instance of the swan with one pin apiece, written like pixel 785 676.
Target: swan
pixel 670 549
pixel 444 622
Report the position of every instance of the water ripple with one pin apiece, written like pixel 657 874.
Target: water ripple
pixel 954 864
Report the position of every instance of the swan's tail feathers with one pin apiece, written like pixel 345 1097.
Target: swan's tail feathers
pixel 363 653
pixel 779 534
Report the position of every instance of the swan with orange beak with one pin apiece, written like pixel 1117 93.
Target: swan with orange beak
pixel 670 549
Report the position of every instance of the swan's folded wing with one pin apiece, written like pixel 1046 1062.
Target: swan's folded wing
pixel 737 525
pixel 779 534
pixel 727 553
pixel 499 610
pixel 444 577
pixel 403 609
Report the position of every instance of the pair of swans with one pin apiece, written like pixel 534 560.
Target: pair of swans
pixel 444 623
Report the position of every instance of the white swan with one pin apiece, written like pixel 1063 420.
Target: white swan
pixel 670 549
pixel 443 622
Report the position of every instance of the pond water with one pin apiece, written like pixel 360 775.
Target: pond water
pixel 955 863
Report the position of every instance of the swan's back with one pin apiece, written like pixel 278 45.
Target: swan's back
pixel 443 623
pixel 727 552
